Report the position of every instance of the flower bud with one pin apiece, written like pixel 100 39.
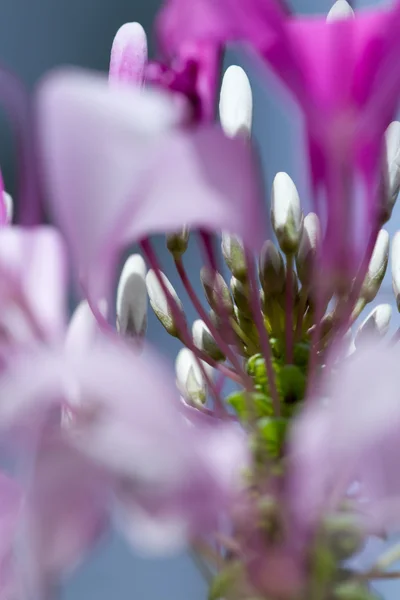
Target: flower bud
pixel 160 303
pixel 392 174
pixel 286 213
pixel 203 340
pixel 177 242
pixel 128 55
pixel 223 327
pixel 240 293
pixel 233 253
pixel 216 291
pixel 305 258
pixel 344 537
pixel 132 298
pixel 377 267
pixel 339 11
pixel 396 267
pixel 236 103
pixel 9 207
pixel 375 324
pixel 190 379
pixel 271 270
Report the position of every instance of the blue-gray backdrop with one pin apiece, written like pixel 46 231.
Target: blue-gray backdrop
pixel 37 36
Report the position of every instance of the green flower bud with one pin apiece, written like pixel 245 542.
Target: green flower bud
pixel 305 258
pixel 240 293
pixel 159 302
pixel 233 253
pixel 286 213
pixel 177 242
pixel 203 340
pixel 216 291
pixel 271 270
pixel 292 383
pixel 377 267
pixel 343 536
pixel 301 354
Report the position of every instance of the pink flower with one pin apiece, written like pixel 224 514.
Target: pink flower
pixel 343 74
pixel 98 431
pixel 119 166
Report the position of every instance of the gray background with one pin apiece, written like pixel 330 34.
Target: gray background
pixel 36 36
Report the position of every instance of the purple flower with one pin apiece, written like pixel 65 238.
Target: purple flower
pixel 99 432
pixel 344 75
pixel 119 166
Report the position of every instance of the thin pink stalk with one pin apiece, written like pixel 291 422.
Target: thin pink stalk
pixel 222 344
pixel 289 305
pixel 181 323
pixel 255 305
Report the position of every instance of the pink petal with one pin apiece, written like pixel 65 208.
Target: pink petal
pixel 118 170
pixel 32 300
pixel 65 510
pixel 355 436
pixel 10 505
pixel 159 520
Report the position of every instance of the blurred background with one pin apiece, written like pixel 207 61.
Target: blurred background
pixel 40 35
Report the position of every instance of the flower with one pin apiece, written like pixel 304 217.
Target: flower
pixel 343 75
pixel 126 136
pixel 96 434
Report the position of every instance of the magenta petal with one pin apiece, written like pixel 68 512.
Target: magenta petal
pixel 118 170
